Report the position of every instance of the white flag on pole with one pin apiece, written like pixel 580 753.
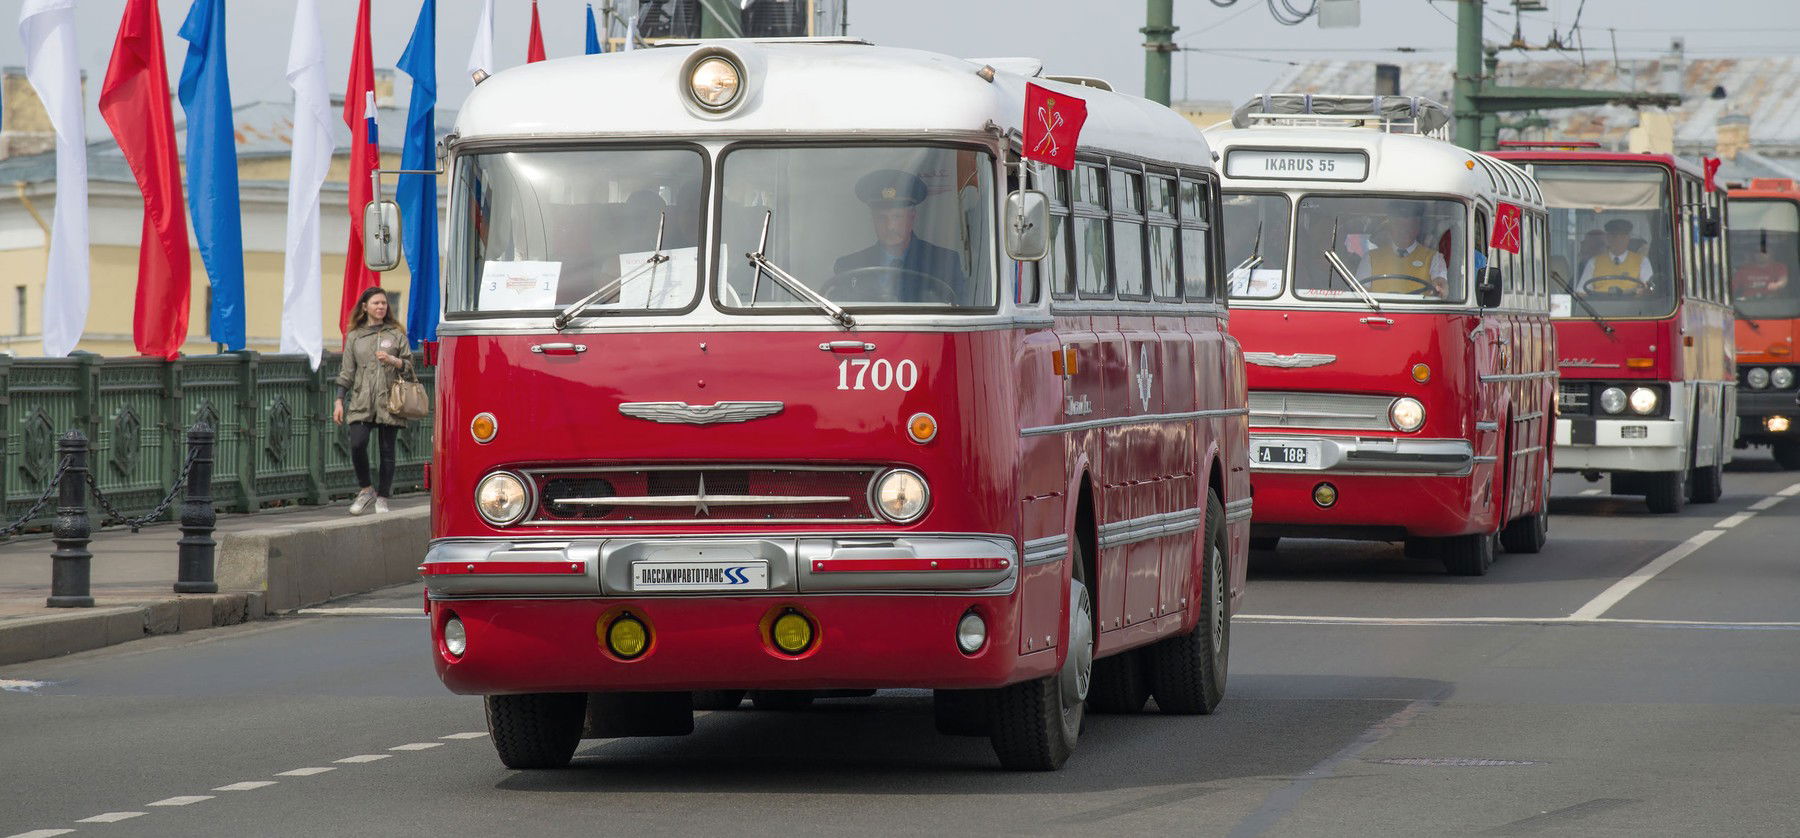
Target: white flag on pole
pixel 302 315
pixel 631 33
pixel 481 53
pixel 54 67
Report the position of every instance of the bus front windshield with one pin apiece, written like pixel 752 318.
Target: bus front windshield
pixel 1404 250
pixel 865 227
pixel 535 231
pixel 1256 244
pixel 1609 239
pixel 1765 258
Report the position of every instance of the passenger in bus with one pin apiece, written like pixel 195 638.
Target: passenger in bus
pixel 1619 269
pixel 1404 264
pixel 915 270
pixel 1763 276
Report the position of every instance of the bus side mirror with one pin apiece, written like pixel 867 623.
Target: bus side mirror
pixel 1709 224
pixel 1027 225
pixel 1487 288
pixel 381 235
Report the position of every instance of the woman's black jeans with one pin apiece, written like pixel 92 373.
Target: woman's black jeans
pixel 359 454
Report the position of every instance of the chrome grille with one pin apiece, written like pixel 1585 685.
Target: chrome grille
pixel 1324 411
pixel 738 494
pixel 1574 398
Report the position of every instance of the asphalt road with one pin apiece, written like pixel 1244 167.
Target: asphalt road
pixel 1639 677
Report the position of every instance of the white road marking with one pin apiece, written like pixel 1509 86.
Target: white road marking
pixel 246 785
pixel 1789 491
pixel 417 746
pixel 361 611
pixel 41 833
pixel 1306 620
pixel 19 685
pixel 1590 492
pixel 113 817
pixel 361 758
pixel 476 735
pixel 1766 503
pixel 305 772
pixel 181 800
pixel 1734 520
pixel 1610 597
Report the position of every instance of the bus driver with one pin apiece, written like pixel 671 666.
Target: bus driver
pixel 1618 269
pixel 1405 265
pixel 908 268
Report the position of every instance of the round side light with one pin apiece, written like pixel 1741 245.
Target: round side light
pixel 971 633
pixel 1325 495
pixel 484 427
pixel 922 428
pixel 627 636
pixel 456 637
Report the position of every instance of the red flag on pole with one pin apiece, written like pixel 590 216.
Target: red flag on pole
pixel 534 51
pixel 1052 126
pixel 365 157
pixel 134 101
pixel 1711 166
pixel 1506 227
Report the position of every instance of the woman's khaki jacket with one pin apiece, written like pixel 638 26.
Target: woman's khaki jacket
pixel 366 379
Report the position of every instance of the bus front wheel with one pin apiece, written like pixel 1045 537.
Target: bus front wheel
pixel 1033 725
pixel 536 730
pixel 1665 492
pixel 1787 453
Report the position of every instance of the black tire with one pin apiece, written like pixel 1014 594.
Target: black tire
pixel 1121 684
pixel 1420 548
pixel 1665 492
pixel 1787 453
pixel 1265 543
pixel 1468 555
pixel 1706 484
pixel 1034 725
pixel 961 712
pixel 536 730
pixel 781 700
pixel 1528 534
pixel 1187 673
pixel 718 699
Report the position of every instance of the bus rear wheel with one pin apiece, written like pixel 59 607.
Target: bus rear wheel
pixel 536 730
pixel 1787 453
pixel 1121 684
pixel 1033 725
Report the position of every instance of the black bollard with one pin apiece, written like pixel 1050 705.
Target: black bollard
pixel 195 549
pixel 70 562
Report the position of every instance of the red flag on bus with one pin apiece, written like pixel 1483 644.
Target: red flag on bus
pixel 1052 126
pixel 534 45
pixel 1506 227
pixel 1711 166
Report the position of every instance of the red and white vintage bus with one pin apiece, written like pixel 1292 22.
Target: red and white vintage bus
pixel 751 381
pixel 1401 369
pixel 1644 325
pixel 1765 289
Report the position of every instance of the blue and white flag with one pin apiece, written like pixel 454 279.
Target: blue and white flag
pixel 593 34
pixel 205 92
pixel 418 193
pixel 371 118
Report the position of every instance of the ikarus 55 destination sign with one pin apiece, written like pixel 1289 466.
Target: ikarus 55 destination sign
pixel 1290 164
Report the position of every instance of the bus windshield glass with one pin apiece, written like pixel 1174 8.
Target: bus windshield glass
pixel 1609 239
pixel 1765 257
pixel 1256 244
pixel 865 227
pixel 1401 250
pixel 534 231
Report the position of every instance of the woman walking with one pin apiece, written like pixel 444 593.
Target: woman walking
pixel 375 354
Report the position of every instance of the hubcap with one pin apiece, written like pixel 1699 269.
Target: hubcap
pixel 1215 565
pixel 1078 668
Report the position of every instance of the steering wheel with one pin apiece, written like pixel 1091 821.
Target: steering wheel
pixel 855 281
pixel 1412 284
pixel 1617 285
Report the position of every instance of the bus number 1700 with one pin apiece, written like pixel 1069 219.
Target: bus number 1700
pixel 877 374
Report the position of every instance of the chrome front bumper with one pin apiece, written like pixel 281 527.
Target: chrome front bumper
pixel 1371 455
pixel 599 566
pixel 1641 444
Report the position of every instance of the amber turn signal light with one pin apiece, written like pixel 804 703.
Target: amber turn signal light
pixel 1640 363
pixel 1421 373
pixel 922 428
pixel 484 427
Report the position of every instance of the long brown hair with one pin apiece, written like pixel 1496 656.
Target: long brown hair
pixel 360 317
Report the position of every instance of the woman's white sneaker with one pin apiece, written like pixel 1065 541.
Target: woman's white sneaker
pixel 381 506
pixel 363 499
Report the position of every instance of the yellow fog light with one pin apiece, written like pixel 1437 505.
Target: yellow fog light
pixel 627 636
pixel 1776 424
pixel 792 632
pixel 1421 373
pixel 922 428
pixel 483 427
pixel 1325 495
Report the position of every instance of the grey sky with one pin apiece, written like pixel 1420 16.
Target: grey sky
pixel 1095 37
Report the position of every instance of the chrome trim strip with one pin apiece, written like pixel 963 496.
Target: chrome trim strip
pixel 1365 455
pixel 1487 426
pixel 1133 530
pixel 701 500
pixel 1519 376
pixel 1527 417
pixel 1486 458
pixel 1046 550
pixel 1533 449
pixel 1133 420
pixel 1238 510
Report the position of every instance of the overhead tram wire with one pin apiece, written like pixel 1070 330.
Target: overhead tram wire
pixel 1282 11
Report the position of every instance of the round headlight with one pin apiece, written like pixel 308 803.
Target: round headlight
pixel 1757 377
pixel 900 496
pixel 971 633
pixel 456 638
pixel 1407 414
pixel 1643 400
pixel 714 83
pixel 501 498
pixel 1612 400
pixel 1782 378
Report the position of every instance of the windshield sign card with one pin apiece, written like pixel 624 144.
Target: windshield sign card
pixel 668 285
pixel 1561 305
pixel 519 286
pixel 1290 164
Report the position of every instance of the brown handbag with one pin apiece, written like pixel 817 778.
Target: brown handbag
pixel 406 397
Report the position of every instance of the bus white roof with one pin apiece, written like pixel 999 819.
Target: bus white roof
pixel 805 87
pixel 1397 163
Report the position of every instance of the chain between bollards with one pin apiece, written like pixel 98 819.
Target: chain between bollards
pixel 70 564
pixel 196 548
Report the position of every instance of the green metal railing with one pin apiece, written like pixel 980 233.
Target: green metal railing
pixel 276 441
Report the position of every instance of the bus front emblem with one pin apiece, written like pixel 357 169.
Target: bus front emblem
pixel 1298 360
pixel 682 413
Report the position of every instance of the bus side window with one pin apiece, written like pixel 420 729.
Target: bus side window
pixel 1056 268
pixel 1128 234
pixel 1092 279
pixel 1165 275
pixel 1195 207
pixel 1539 286
pixel 1484 254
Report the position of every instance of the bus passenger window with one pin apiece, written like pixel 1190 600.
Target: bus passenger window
pixel 1165 276
pixel 1128 234
pixel 1092 279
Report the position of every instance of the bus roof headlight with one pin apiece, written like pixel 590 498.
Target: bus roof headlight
pixel 714 83
pixel 1757 378
pixel 501 498
pixel 900 496
pixel 1612 400
pixel 1782 378
pixel 1407 414
pixel 1644 400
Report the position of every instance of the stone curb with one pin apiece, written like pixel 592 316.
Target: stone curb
pixel 65 631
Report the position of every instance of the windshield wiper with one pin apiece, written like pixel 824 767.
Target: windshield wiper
pixel 1255 258
pixel 1591 312
pixel 1338 265
pixel 786 280
pixel 656 258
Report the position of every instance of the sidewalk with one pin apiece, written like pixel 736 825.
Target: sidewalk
pixel 132 583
